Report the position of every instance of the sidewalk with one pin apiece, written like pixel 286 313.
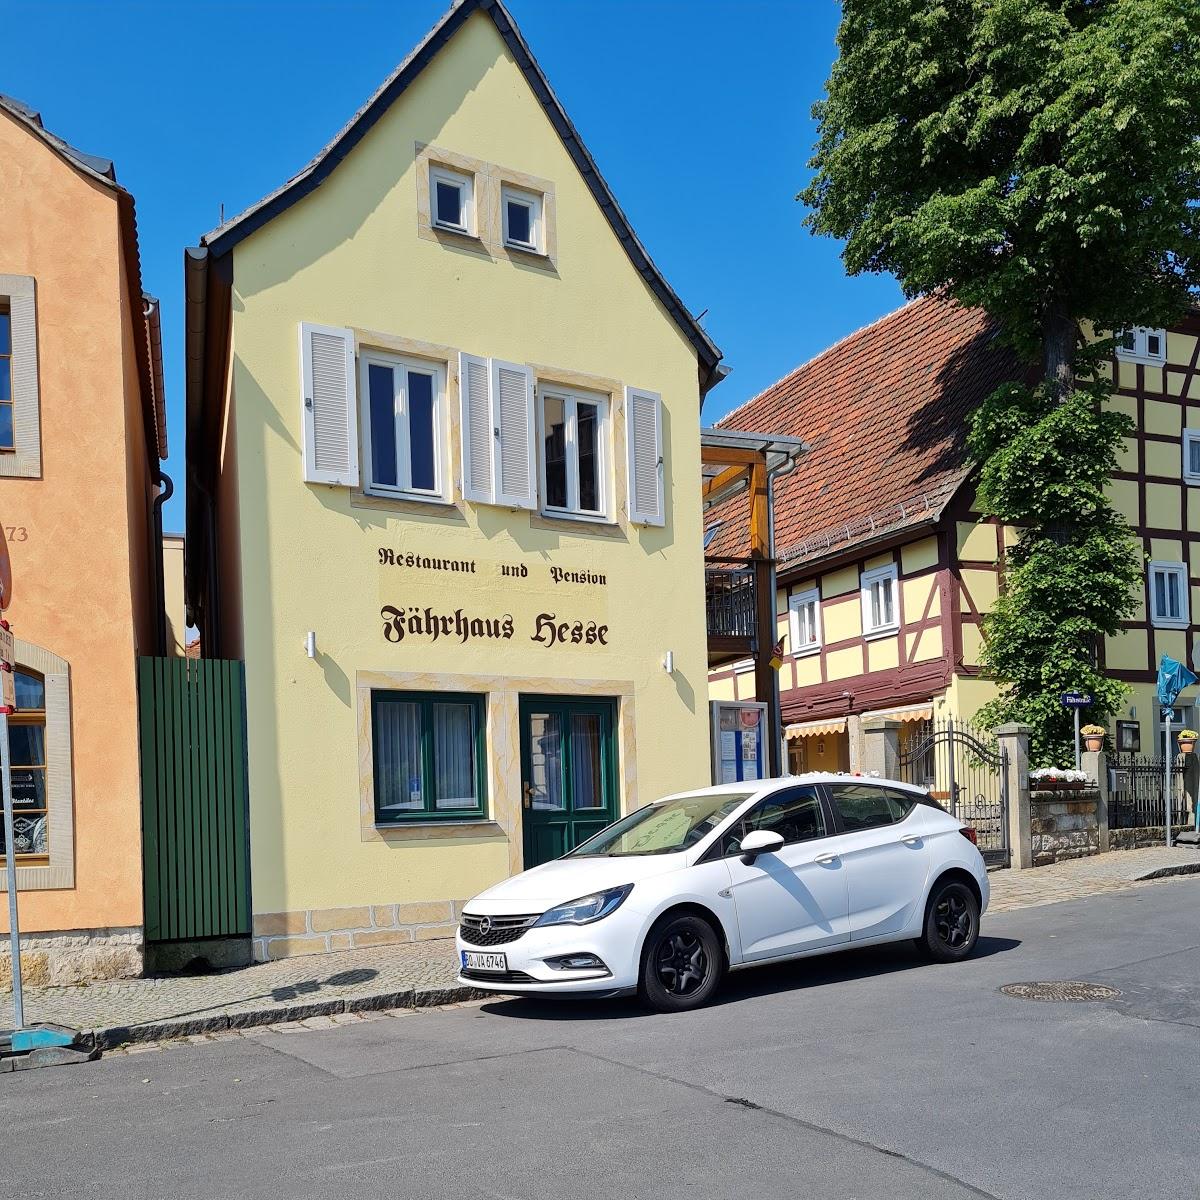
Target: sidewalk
pixel 322 987
pixel 287 990
pixel 1078 878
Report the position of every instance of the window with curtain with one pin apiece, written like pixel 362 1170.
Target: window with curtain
pixel 7 441
pixel 27 747
pixel 428 756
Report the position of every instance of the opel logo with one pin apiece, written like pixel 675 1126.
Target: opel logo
pixel 485 925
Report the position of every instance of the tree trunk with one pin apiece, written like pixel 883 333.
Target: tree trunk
pixel 1059 337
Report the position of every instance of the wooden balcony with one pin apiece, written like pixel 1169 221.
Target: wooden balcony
pixel 739 593
pixel 730 594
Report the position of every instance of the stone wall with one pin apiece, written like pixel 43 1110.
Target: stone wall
pixel 1064 825
pixel 1147 835
pixel 320 930
pixel 74 956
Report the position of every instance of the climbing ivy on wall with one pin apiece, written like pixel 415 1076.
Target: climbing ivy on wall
pixel 1039 159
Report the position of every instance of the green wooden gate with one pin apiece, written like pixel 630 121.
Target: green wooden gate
pixel 195 845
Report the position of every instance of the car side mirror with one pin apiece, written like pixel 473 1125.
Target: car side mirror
pixel 761 841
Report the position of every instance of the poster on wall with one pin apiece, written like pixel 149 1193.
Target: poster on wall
pixel 738 750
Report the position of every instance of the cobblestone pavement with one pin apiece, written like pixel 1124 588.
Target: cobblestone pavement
pixel 323 987
pixel 1081 877
pixel 351 985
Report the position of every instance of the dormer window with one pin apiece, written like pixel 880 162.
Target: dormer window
pixel 1140 344
pixel 522 212
pixel 452 200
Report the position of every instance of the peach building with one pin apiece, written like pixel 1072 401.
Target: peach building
pixel 82 433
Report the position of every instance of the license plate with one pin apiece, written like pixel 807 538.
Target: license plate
pixel 472 960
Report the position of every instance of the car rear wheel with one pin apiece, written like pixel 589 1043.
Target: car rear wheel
pixel 682 963
pixel 951 922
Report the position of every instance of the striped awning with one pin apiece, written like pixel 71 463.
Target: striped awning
pixel 814 729
pixel 910 712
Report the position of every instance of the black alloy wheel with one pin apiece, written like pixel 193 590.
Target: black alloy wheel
pixel 682 963
pixel 951 922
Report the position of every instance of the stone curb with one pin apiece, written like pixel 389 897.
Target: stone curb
pixel 1167 872
pixel 159 1031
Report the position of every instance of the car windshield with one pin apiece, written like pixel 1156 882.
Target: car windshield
pixel 663 828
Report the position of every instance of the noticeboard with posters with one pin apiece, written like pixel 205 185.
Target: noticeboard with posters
pixel 739 749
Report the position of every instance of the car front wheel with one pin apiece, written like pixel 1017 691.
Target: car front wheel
pixel 951 922
pixel 682 963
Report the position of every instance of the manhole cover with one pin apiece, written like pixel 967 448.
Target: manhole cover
pixel 1060 989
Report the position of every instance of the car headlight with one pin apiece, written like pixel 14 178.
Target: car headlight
pixel 586 909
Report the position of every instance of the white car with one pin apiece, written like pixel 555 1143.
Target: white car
pixel 664 901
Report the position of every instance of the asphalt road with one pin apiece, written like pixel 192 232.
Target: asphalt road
pixel 861 1075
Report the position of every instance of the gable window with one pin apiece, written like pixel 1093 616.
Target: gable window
pixel 452 200
pixel 573 433
pixel 804 621
pixel 402 401
pixel 27 747
pixel 1169 595
pixel 522 214
pixel 880 611
pixel 1191 456
pixel 1140 344
pixel 7 437
pixel 428 756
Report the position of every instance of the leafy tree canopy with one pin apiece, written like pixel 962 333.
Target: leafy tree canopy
pixel 1039 159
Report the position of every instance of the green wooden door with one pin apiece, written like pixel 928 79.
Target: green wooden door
pixel 195 835
pixel 568 773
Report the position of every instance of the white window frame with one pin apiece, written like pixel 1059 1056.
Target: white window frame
pixel 1180 570
pixel 401 366
pixel 866 582
pixel 532 201
pixel 1191 437
pixel 465 182
pixel 571 398
pixel 1139 351
pixel 801 600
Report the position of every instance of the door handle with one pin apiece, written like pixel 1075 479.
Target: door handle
pixel 825 859
pixel 912 840
pixel 528 790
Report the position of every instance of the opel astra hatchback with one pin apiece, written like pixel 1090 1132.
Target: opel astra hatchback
pixel 666 900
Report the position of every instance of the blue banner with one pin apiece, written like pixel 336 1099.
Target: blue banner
pixel 1173 677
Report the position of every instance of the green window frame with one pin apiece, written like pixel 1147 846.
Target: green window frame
pixel 413 780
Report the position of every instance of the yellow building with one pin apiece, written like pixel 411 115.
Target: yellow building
pixel 886 570
pixel 444 500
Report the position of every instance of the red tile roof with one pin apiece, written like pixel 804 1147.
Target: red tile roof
pixel 884 411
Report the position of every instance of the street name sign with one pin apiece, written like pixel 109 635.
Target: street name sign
pixel 1075 699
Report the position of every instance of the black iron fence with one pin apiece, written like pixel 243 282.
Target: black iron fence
pixel 1136 784
pixel 729 599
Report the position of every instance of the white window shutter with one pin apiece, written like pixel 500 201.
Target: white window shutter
pixel 478 441
pixel 643 441
pixel 512 429
pixel 329 412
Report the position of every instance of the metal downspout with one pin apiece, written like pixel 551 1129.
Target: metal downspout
pixel 166 491
pixel 776 722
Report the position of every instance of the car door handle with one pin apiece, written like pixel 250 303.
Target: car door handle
pixel 825 859
pixel 912 840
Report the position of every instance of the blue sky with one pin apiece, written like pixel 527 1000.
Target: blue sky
pixel 705 146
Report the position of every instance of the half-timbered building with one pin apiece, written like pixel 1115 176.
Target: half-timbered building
pixel 884 568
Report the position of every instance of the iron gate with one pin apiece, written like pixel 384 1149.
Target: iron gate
pixel 1136 792
pixel 967 773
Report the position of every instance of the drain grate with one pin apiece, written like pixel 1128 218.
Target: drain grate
pixel 1060 989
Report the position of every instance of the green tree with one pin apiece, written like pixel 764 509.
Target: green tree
pixel 1039 159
